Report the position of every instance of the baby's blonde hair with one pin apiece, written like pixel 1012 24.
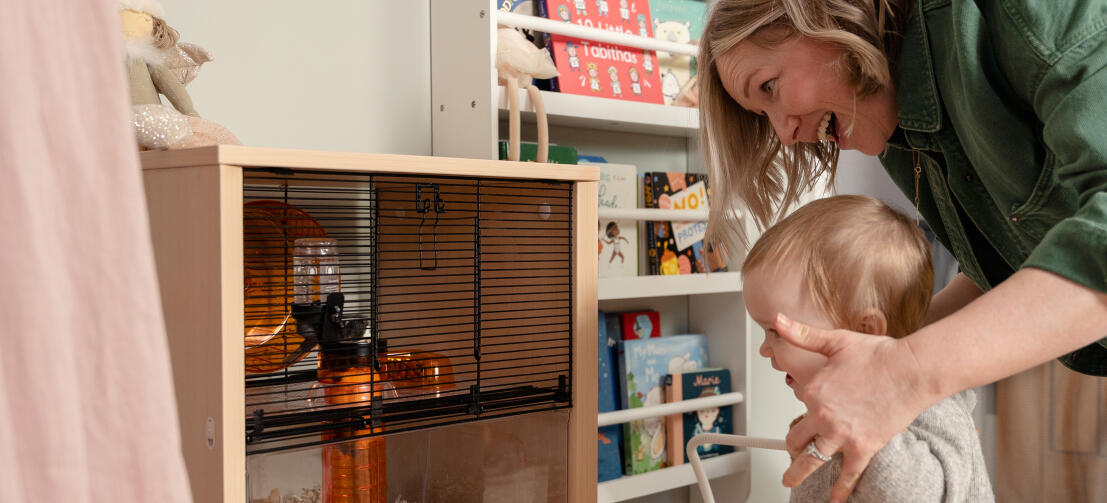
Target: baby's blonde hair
pixel 746 162
pixel 856 254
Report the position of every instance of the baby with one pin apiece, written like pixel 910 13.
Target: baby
pixel 850 262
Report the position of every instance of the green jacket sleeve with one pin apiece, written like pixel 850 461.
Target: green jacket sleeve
pixel 1071 101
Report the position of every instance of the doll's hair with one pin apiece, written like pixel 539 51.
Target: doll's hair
pixel 610 228
pixel 745 160
pixel 164 35
pixel 855 254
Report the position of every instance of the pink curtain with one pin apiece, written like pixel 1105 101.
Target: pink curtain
pixel 87 410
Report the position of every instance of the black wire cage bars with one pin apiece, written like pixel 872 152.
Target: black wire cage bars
pixel 377 304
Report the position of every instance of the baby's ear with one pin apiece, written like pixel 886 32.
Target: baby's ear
pixel 872 321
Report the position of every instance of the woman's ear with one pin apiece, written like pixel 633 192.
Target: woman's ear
pixel 872 322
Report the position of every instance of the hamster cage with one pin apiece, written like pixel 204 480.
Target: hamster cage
pixel 378 327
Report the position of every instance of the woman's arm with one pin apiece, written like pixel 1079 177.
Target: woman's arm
pixel 873 387
pixel 1032 317
pixel 957 294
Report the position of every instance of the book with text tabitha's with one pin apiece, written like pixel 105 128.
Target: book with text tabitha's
pixel 591 68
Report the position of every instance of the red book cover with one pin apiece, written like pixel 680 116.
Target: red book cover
pixel 641 325
pixel 592 68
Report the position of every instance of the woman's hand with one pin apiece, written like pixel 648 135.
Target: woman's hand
pixel 865 394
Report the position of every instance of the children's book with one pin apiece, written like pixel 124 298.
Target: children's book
pixel 640 325
pixel 678 21
pixel 559 154
pixel 610 441
pixel 643 364
pixel 677 247
pixel 682 427
pixel 618 238
pixel 614 323
pixel 601 69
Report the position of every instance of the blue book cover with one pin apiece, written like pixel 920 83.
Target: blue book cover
pixel 610 464
pixel 698 384
pixel 643 364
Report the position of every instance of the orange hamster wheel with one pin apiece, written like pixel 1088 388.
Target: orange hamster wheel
pixel 270 228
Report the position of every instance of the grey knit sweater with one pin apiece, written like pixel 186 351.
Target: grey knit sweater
pixel 938 459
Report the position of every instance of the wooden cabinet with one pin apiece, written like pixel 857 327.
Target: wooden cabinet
pixel 196 198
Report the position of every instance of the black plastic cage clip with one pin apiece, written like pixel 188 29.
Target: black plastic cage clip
pixel 426 203
pixel 376 410
pixel 562 394
pixel 257 427
pixel 475 407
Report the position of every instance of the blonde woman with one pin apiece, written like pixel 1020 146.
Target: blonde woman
pixel 989 114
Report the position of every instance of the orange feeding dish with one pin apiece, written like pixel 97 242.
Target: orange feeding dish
pixel 269 229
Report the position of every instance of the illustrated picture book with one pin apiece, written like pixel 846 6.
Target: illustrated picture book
pixel 640 324
pixel 617 238
pixel 643 364
pixel 677 247
pixel 681 428
pixel 591 68
pixel 610 438
pixel 679 21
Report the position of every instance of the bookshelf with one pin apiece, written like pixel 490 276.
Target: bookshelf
pixel 469 111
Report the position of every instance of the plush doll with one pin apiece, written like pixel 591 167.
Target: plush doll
pixel 158 65
pixel 518 62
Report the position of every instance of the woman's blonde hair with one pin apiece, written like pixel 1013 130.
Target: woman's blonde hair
pixel 856 254
pixel 746 162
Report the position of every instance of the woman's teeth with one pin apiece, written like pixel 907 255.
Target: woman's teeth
pixel 826 130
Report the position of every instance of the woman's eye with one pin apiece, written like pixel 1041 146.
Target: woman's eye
pixel 769 86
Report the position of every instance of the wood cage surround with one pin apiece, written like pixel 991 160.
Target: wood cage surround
pixel 468 287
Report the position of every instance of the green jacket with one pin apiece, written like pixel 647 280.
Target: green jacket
pixel 1006 103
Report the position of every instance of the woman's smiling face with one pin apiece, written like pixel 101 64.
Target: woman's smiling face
pixel 801 86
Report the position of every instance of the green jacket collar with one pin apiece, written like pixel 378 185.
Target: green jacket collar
pixel 916 90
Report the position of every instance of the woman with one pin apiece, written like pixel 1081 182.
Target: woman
pixel 991 116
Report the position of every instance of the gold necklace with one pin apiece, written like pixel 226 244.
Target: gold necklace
pixel 918 173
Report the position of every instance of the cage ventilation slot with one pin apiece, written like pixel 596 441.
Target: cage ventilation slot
pixel 377 303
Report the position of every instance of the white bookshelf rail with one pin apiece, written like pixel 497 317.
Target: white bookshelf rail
pixel 639 287
pixel 666 409
pixel 653 214
pixel 577 31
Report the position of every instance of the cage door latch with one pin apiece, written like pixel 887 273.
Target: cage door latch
pixel 428 198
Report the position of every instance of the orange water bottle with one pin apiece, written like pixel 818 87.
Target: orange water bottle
pixel 353 462
pixel 354 469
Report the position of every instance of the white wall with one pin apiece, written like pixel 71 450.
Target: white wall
pixel 349 75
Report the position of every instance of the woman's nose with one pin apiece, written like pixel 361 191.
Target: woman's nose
pixel 764 349
pixel 787 128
